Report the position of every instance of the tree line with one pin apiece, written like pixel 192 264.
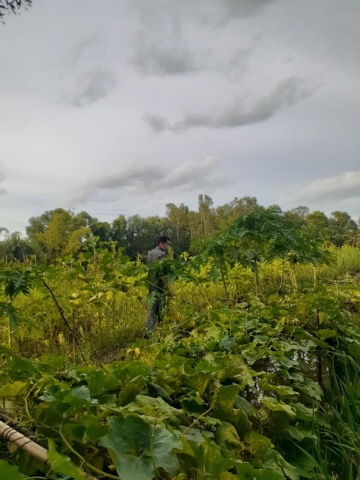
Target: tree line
pixel 59 233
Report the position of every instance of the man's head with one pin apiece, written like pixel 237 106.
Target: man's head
pixel 164 242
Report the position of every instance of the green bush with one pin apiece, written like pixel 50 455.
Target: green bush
pixel 348 260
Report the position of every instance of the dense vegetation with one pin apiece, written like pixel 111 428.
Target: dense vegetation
pixel 254 373
pixel 59 232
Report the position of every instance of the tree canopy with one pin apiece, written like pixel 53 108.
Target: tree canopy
pixel 60 232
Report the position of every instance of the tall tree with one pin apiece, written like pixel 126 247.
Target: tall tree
pixel 118 231
pixel 179 226
pixel 142 234
pixel 318 224
pixel 102 230
pixel 14 247
pixel 229 212
pixel 341 226
pixel 297 215
pixel 207 223
pixel 56 233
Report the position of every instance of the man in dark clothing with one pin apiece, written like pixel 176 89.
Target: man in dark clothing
pixel 156 285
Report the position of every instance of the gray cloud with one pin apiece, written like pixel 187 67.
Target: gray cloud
pixel 92 86
pixel 158 57
pixel 139 179
pixel 241 56
pixel 164 14
pixel 161 47
pixel 285 94
pixel 239 9
pixel 2 178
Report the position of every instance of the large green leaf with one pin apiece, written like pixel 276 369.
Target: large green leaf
pixel 87 429
pixel 247 472
pixel 206 453
pixel 199 381
pixel 241 422
pixel 156 408
pixel 140 449
pixel 227 438
pixel 224 402
pixel 275 406
pixel 12 389
pixel 10 472
pixel 62 464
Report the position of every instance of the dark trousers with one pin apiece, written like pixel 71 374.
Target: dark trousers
pixel 157 299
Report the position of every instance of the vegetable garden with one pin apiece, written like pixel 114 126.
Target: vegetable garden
pixel 254 373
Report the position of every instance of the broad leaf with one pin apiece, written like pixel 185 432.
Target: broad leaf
pixel 12 389
pixel 10 472
pixel 140 449
pixel 62 464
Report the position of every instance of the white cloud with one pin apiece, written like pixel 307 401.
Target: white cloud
pixel 340 187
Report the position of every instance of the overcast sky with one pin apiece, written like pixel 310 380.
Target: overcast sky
pixel 122 106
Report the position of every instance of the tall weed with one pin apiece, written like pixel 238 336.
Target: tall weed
pixel 348 260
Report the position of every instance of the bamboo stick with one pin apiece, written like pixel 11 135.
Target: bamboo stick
pixel 23 442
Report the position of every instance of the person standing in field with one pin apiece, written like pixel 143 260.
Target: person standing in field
pixel 156 285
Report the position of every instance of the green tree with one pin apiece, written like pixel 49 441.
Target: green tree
pixel 318 224
pixel 206 216
pixel 341 227
pixel 14 247
pixel 297 215
pixel 226 214
pixel 83 219
pixel 54 238
pixel 57 233
pixel 262 236
pixel 179 227
pixel 101 230
pixel 39 225
pixel 142 233
pixel 202 224
pixel 118 231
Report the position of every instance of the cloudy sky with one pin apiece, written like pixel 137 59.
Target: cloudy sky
pixel 122 106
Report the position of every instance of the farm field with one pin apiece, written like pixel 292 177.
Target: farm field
pixel 179 240
pixel 254 373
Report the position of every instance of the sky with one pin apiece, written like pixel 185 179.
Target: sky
pixel 123 106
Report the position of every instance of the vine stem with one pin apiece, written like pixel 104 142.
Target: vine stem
pixel 198 418
pixel 85 462
pixel 90 467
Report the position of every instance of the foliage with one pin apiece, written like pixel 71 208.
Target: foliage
pixel 239 385
pixel 348 260
pixel 12 6
pixel 60 232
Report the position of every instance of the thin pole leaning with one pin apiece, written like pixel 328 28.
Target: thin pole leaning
pixel 25 443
